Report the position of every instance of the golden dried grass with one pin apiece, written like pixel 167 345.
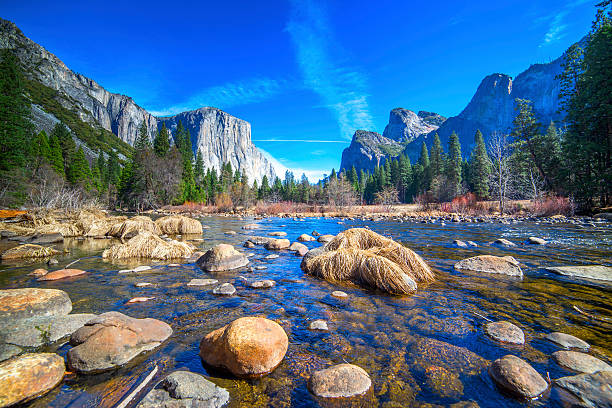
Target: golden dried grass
pixel 29 251
pixel 149 245
pixel 136 224
pixel 179 224
pixel 64 228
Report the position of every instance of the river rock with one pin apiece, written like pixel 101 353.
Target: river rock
pixel 222 257
pixel 51 238
pixel 325 238
pixel 432 352
pixel 299 248
pixel 278 234
pixel 444 382
pixel 306 238
pixel 250 226
pixel 247 347
pixel 318 325
pixel 581 362
pixel 113 339
pixel 38 272
pixel 32 302
pixel 505 265
pixel 597 272
pixel 139 299
pixel 202 282
pixel 339 294
pixel 260 240
pixel 249 244
pixel 42 330
pixel 593 390
pixel 225 289
pixel 536 241
pixel 516 376
pixel 504 242
pixel 460 243
pixel 276 244
pixel 29 376
pixel 271 256
pixel 505 332
pixel 261 284
pixel 342 380
pixel 61 274
pixel 184 389
pixel 568 341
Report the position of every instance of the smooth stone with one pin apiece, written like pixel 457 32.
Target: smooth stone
pixel 230 232
pixel 597 272
pixel 318 325
pixel 277 244
pixel 247 347
pixel 226 289
pixel 339 381
pixel 202 282
pixel 33 302
pixel 262 284
pixel 460 243
pixel 249 244
pixel 259 240
pixel 593 390
pixel 261 267
pixel 568 341
pixel 505 332
pixel 250 226
pixel 139 299
pixel 505 265
pixel 517 377
pixel 173 265
pixel 29 376
pixel 278 234
pixel 306 238
pixel 271 256
pixel 580 362
pixel 472 243
pixel 113 339
pixel 298 247
pixel 536 241
pixel 184 389
pixel 141 268
pixel 325 238
pixel 505 242
pixel 222 257
pixel 61 274
pixel 339 294
pixel 143 284
pixel 51 238
pixel 44 330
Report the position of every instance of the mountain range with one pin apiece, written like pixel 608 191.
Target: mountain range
pixel 99 119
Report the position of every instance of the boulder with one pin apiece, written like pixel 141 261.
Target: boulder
pixel 593 390
pixel 113 339
pixel 536 241
pixel 29 376
pixel 580 362
pixel 225 289
pixel 8 350
pixel 516 376
pixel 305 238
pixel 325 238
pixel 505 265
pixel 184 389
pixel 339 381
pixel 61 274
pixel 568 341
pixel 32 302
pixel 247 347
pixel 51 238
pixel 28 251
pixel 504 242
pixel 596 272
pixel 505 332
pixel 299 248
pixel 222 257
pixel 42 330
pixel 277 244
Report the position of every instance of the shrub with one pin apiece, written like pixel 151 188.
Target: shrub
pixel 553 205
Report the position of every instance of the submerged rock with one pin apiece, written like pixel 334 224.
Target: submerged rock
pixel 261 284
pixel 113 339
pixel 222 257
pixel 278 234
pixel 593 390
pixel 247 347
pixel 568 341
pixel 581 362
pixel 505 332
pixel 184 389
pixel 445 382
pixel 505 265
pixel 251 226
pixel 432 352
pixel 342 380
pixel 536 241
pixel 596 272
pixel 61 274
pixel 516 376
pixel 29 376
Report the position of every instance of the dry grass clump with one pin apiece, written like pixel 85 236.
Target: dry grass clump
pixel 95 223
pixel 364 256
pixel 29 251
pixel 136 224
pixel 64 228
pixel 148 245
pixel 179 224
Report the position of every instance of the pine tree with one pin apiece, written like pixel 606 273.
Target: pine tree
pixel 41 146
pixel 55 155
pixel 424 174
pixel 436 159
pixel 79 172
pixel 405 177
pixel 199 168
pixel 479 167
pixel 142 141
pixel 161 144
pixel 264 190
pixel 453 166
pixel 66 142
pixel 113 169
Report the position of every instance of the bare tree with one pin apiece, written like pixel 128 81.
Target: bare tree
pixel 501 175
pixel 387 197
pixel 340 193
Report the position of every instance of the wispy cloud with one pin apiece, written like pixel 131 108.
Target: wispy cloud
pixel 300 140
pixel 230 94
pixel 556 22
pixel 280 169
pixel 342 88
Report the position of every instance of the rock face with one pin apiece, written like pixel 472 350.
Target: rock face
pixel 405 125
pixel 222 257
pixel 580 362
pixel 593 390
pixel 505 265
pixel 517 376
pixel 29 376
pixel 342 380
pixel 247 347
pixel 223 138
pixel 368 150
pixel 184 389
pixel 113 339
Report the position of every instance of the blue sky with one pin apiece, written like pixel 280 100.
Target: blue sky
pixel 305 74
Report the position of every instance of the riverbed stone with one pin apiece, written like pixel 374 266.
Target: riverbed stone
pixel 581 362
pixel 432 352
pixel 505 265
pixel 261 284
pixel 339 381
pixel 339 294
pixel 247 347
pixel 516 376
pixel 505 332
pixel 318 325
pixel 249 244
pixel 325 238
pixel 222 257
pixel 444 382
pixel 299 248
pixel 596 272
pixel 504 242
pixel 271 256
pixel 113 339
pixel 225 289
pixel 251 226
pixel 184 389
pixel 29 376
pixel 278 234
pixel 536 241
pixel 50 238
pixel 61 274
pixel 568 341
pixel 460 244
pixel 32 302
pixel 277 244
pixel 593 390
pixel 202 282
pixel 42 330
pixel 38 272
pixel 306 238
pixel 259 240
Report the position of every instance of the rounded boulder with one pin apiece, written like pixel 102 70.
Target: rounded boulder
pixel 339 381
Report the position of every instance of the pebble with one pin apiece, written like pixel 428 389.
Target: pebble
pixel 143 284
pixel 139 299
pixel 318 325
pixel 226 289
pixel 339 294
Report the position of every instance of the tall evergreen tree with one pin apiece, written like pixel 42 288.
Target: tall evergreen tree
pixel 79 172
pixel 479 167
pixel 436 159
pixel 453 165
pixel 55 155
pixel 66 142
pixel 161 144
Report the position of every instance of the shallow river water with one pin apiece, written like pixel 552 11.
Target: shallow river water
pixel 389 336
